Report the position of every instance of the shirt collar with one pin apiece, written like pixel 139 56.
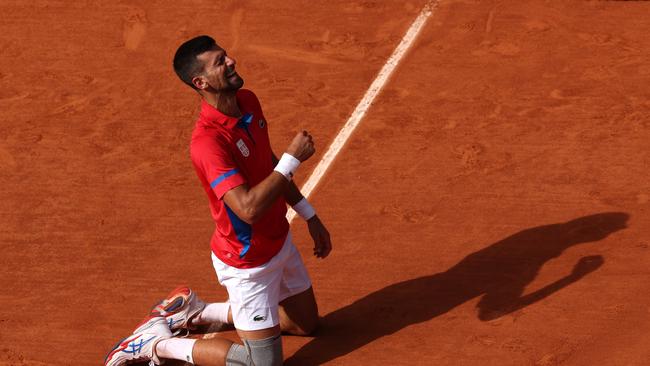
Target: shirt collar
pixel 211 114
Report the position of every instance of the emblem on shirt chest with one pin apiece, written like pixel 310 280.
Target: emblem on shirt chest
pixel 261 123
pixel 243 148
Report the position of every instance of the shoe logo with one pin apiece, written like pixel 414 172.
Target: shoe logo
pixel 136 347
pixel 259 318
pixel 172 323
pixel 243 148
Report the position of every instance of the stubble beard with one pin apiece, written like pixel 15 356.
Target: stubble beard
pixel 236 84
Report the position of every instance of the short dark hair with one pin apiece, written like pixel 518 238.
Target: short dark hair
pixel 186 63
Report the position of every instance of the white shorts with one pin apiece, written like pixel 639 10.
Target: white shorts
pixel 256 292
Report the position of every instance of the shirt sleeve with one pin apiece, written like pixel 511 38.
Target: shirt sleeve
pixel 217 166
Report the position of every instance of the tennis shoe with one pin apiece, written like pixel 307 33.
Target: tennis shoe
pixel 141 345
pixel 179 308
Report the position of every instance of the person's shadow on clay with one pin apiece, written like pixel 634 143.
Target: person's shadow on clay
pixel 499 273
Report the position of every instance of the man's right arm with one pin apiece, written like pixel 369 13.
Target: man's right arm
pixel 250 203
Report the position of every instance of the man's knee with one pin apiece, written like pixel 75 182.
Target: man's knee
pixel 256 352
pixel 306 327
pixel 299 314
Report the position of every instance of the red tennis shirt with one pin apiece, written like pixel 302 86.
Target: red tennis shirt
pixel 227 152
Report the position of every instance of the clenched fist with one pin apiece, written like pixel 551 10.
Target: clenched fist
pixel 302 146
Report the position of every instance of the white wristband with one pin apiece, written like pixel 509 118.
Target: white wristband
pixel 287 166
pixel 304 209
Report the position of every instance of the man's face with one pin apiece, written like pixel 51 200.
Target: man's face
pixel 218 72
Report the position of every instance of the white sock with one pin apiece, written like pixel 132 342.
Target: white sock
pixel 176 349
pixel 217 312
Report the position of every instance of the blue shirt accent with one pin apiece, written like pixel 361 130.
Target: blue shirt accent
pixel 243 230
pixel 245 120
pixel 222 177
pixel 244 123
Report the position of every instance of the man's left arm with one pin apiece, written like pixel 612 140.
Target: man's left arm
pixel 318 232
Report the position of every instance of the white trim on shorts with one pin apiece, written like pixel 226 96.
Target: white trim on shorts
pixel 254 293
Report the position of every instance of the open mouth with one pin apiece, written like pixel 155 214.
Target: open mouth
pixel 232 73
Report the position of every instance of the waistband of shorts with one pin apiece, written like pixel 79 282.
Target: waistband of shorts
pixel 252 271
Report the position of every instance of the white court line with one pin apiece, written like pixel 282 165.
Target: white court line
pixel 365 103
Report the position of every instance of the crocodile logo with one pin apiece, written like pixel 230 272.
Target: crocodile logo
pixel 259 318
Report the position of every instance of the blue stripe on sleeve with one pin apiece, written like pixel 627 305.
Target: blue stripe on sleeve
pixel 222 177
pixel 243 230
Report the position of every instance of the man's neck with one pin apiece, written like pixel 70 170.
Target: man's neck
pixel 226 103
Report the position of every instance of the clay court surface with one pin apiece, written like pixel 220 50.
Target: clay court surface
pixel 492 208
